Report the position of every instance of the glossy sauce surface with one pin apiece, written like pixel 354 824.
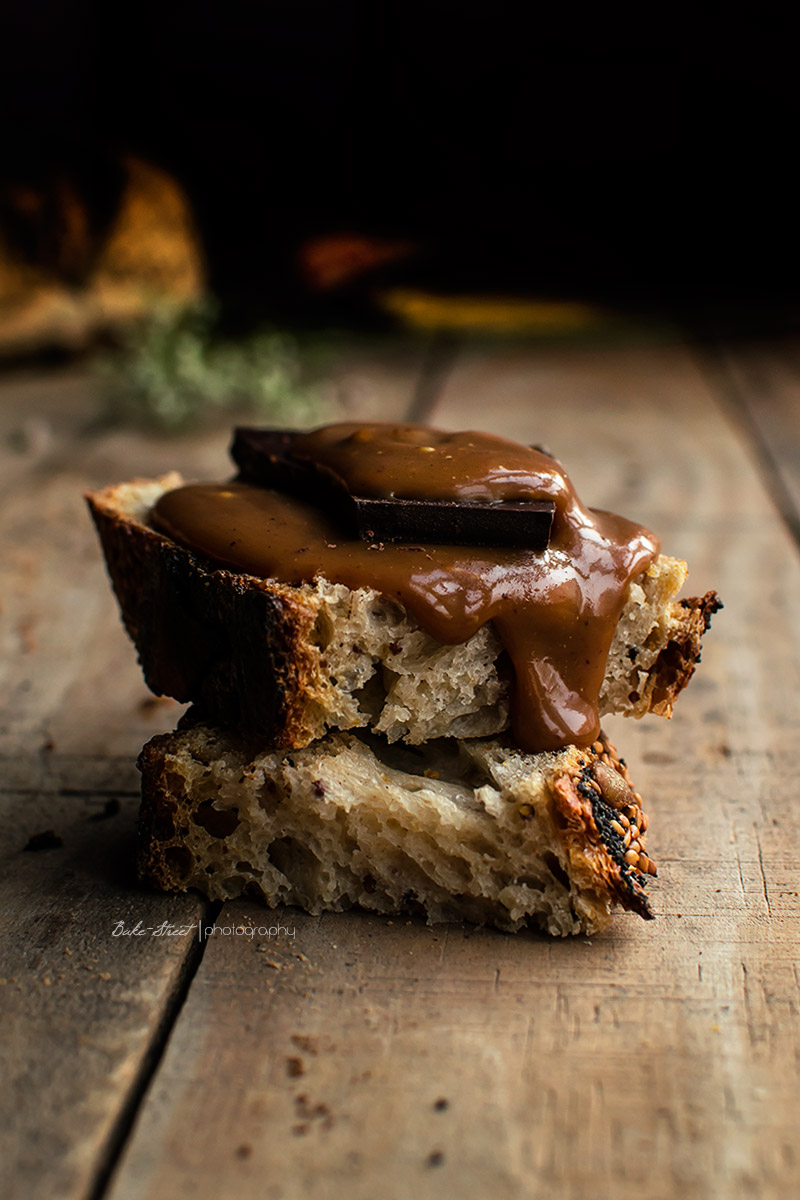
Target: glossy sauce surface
pixel 554 611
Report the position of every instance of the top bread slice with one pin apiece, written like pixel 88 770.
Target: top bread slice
pixel 290 663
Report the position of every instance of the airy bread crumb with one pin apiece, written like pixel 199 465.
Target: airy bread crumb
pixel 455 830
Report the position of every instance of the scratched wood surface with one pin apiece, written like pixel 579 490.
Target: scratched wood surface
pixel 354 1056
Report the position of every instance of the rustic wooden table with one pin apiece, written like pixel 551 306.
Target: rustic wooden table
pixel 357 1057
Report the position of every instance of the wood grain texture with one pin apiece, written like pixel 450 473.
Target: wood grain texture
pixel 80 1007
pixel 762 383
pixel 571 1070
pixel 363 1057
pixel 83 1011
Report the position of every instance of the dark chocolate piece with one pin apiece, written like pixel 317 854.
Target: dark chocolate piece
pixel 264 456
pixel 456 522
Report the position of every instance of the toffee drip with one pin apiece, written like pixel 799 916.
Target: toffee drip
pixel 555 611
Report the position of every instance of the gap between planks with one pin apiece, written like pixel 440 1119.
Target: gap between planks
pixel 760 390
pixel 151 1061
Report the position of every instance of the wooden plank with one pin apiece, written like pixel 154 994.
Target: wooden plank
pixel 656 1059
pixel 762 381
pixel 85 1011
pixel 81 1008
pixel 386 1058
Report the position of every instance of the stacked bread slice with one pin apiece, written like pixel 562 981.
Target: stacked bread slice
pixel 337 755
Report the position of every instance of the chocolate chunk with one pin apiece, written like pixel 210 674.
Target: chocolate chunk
pixel 264 457
pixel 455 522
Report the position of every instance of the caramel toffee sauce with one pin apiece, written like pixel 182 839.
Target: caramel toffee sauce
pixel 555 611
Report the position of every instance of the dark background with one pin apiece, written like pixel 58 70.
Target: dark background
pixel 577 152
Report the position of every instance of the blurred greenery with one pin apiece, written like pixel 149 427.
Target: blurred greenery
pixel 175 371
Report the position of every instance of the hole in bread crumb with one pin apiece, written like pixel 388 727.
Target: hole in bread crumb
pixel 163 827
pixel 176 784
pixel 179 860
pixel 269 795
pixel 232 886
pixel 555 869
pixel 218 822
pixel 371 697
pixel 292 858
pixel 535 885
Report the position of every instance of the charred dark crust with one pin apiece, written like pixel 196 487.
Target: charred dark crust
pixel 605 818
pixel 604 828
pixel 160 818
pixel 705 605
pixel 676 663
pixel 237 646
pixel 166 814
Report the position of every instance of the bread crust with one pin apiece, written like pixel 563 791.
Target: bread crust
pixel 237 646
pixel 676 663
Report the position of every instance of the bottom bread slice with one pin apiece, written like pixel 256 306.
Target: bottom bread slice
pixel 455 830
